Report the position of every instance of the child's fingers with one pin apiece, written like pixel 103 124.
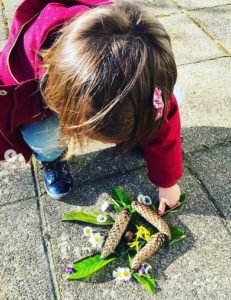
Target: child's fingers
pixel 162 206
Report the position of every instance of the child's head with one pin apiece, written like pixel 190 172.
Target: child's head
pixel 101 74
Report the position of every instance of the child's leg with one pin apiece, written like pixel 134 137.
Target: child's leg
pixel 43 138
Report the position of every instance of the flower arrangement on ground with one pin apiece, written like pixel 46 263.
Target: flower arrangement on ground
pixel 137 230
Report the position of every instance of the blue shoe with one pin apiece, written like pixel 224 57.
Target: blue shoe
pixel 57 178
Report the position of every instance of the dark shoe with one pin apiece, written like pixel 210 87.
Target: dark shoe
pixel 57 178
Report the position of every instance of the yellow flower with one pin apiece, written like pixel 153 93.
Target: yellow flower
pixel 142 233
pixel 134 244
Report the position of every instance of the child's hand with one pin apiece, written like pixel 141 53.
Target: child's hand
pixel 168 196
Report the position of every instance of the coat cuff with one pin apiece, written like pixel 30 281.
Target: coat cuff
pixel 165 184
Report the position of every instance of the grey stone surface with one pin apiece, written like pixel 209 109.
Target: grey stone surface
pixel 2 31
pixel 23 265
pixel 196 269
pixel 202 137
pixel 100 165
pixel 158 7
pixel 190 4
pixel 186 38
pixel 206 91
pixel 10 7
pixel 213 168
pixel 15 182
pixel 218 21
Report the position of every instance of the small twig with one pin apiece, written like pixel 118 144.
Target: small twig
pixel 172 208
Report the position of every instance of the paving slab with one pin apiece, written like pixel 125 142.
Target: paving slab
pixel 15 182
pixel 202 137
pixel 213 168
pixel 191 4
pixel 158 7
pixel 186 37
pixel 206 93
pixel 10 8
pixel 217 20
pixel 24 272
pixel 199 268
pixel 182 41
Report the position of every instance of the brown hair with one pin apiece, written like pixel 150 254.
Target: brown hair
pixel 101 73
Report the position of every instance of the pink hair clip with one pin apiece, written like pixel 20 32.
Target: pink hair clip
pixel 158 103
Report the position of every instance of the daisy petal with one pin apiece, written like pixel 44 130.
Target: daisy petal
pixel 96 240
pixel 118 273
pixel 126 274
pixel 87 231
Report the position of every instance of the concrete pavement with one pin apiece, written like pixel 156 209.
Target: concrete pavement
pixel 35 245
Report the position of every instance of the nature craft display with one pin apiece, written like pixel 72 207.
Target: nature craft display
pixel 137 230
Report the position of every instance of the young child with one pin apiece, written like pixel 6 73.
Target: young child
pixel 90 69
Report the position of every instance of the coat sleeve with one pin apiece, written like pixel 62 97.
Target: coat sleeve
pixel 164 153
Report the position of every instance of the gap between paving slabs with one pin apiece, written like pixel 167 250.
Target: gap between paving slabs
pixel 212 168
pixel 24 268
pixel 202 27
pixel 45 231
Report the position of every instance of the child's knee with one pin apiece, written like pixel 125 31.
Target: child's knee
pixel 42 134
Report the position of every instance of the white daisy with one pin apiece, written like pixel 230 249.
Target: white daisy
pixel 126 274
pixel 101 218
pixel 105 206
pixel 87 231
pixel 118 273
pixel 96 240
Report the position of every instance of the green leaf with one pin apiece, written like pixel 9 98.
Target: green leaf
pixel 129 259
pixel 183 196
pixel 147 280
pixel 116 206
pixel 177 234
pixel 152 230
pixel 88 266
pixel 131 209
pixel 141 244
pixel 155 206
pixel 121 197
pixel 134 219
pixel 89 217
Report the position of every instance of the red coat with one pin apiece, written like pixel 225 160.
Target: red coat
pixel 21 102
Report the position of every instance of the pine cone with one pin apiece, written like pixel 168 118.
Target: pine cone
pixel 152 217
pixel 148 250
pixel 116 232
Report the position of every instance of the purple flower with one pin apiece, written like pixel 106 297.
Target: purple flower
pixel 69 269
pixel 141 271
